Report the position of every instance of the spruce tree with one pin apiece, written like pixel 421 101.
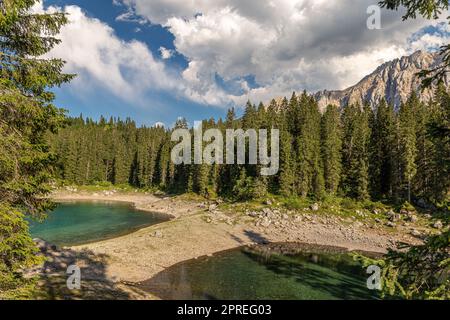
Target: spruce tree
pixel 26 116
pixel 356 134
pixel 407 138
pixel 382 140
pixel 309 171
pixel 331 149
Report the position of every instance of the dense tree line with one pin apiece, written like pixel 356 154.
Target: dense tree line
pixel 356 152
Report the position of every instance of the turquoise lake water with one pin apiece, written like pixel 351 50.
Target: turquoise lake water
pixel 83 222
pixel 246 274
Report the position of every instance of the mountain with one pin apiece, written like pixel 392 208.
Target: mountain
pixel 394 81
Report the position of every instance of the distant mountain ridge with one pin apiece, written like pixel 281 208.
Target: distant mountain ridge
pixel 395 81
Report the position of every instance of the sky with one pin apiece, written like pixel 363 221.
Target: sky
pixel 157 60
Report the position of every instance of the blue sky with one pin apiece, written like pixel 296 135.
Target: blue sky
pixel 161 106
pixel 157 60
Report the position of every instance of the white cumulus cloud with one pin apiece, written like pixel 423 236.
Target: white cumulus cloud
pixel 285 45
pixel 100 59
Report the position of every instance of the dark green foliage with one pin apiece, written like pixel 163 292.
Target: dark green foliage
pixel 417 272
pixel 17 250
pixel 26 115
pixel 355 155
pixel 331 140
pixel 428 9
pixel 407 146
pixel 382 147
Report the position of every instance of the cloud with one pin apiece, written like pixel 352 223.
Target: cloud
pixel 159 125
pixel 127 69
pixel 285 45
pixel 430 38
pixel 166 53
pixel 129 16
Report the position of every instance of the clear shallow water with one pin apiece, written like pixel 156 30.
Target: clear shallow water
pixel 75 223
pixel 314 274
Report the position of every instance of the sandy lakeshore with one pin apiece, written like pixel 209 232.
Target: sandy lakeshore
pixel 197 229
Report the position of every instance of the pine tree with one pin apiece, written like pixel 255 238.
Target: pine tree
pixel 356 133
pixel 309 172
pixel 439 132
pixel 287 174
pixel 331 149
pixel 26 116
pixel 382 166
pixel 228 174
pixel 407 138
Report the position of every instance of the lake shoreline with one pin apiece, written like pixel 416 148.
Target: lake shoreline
pixel 200 230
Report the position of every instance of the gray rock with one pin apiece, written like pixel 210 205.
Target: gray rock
pixel 314 207
pixel 253 214
pixel 413 218
pixel 267 212
pixel 416 233
pixel 268 202
pixel 266 222
pixel 438 224
pixel 392 216
pixel 157 234
pixel 391 224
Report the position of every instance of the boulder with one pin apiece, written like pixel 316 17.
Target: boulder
pixel 392 216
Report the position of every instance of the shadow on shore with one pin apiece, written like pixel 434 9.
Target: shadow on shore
pixel 94 282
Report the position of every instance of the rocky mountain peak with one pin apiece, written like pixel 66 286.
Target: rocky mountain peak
pixel 395 81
